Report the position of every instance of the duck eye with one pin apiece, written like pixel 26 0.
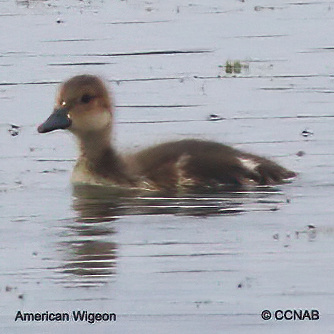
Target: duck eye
pixel 86 98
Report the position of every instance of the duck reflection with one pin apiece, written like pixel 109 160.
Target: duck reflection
pixel 91 255
pixel 96 204
pixel 90 252
pixel 91 261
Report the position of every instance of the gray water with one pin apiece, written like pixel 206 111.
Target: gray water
pixel 205 263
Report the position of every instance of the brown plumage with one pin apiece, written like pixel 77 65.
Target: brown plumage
pixel 83 106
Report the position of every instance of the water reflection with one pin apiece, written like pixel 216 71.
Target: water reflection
pixel 91 256
pixel 94 203
pixel 88 263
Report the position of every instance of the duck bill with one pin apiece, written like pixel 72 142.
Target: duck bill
pixel 59 119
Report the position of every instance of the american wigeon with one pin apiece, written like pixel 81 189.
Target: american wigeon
pixel 84 107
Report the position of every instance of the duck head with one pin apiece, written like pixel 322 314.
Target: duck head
pixel 82 106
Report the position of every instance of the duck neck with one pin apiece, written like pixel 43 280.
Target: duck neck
pixel 101 158
pixel 94 145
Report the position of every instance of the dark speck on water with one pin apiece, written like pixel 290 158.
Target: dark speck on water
pixel 14 130
pixel 307 133
pixel 214 117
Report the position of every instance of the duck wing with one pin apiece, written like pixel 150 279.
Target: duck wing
pixel 204 163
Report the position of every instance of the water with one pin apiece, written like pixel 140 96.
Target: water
pixel 207 262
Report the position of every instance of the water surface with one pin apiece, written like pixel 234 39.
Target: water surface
pixel 196 263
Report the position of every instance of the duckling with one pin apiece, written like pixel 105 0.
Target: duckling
pixel 84 107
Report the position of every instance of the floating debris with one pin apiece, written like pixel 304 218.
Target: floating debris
pixel 311 232
pixel 260 8
pixel 214 117
pixel 300 153
pixel 14 130
pixel 307 133
pixel 246 283
pixel 234 67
